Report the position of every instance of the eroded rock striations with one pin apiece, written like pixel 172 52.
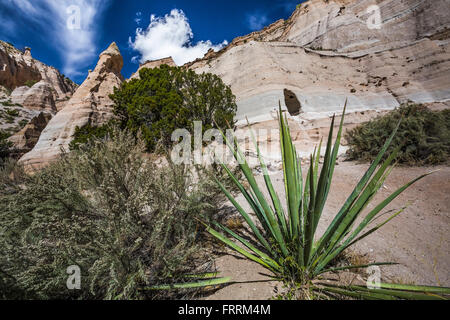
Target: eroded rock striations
pixel 28 88
pixel 328 51
pixel 19 73
pixel 153 64
pixel 90 104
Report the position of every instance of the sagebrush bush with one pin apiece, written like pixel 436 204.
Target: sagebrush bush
pixel 424 136
pixel 127 220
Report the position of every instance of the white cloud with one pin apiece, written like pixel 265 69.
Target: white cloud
pixel 76 46
pixel 170 36
pixel 257 21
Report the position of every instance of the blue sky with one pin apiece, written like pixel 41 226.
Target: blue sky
pixel 69 34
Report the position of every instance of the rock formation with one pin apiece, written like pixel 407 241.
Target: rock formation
pixel 28 87
pixel 39 97
pixel 26 139
pixel 153 64
pixel 90 104
pixel 18 69
pixel 326 53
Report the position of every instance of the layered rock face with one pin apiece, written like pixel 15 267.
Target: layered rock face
pixel 26 139
pixel 90 104
pixel 326 52
pixel 329 51
pixel 28 88
pixel 153 64
pixel 18 69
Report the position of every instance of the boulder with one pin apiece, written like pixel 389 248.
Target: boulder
pixel 27 138
pixel 39 97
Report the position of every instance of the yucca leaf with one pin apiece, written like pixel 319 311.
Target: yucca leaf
pixel 350 241
pixel 355 293
pixel 274 196
pixel 416 288
pixel 309 227
pixel 237 248
pixel 290 166
pixel 366 196
pixel 401 294
pixel 192 285
pixel 324 180
pixel 357 267
pixel 324 241
pixel 274 265
pixel 246 217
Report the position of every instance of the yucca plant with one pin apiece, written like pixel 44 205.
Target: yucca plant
pixel 286 241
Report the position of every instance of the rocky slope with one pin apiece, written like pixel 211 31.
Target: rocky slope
pixel 28 88
pixel 90 104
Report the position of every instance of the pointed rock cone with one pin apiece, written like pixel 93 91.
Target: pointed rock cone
pixel 90 104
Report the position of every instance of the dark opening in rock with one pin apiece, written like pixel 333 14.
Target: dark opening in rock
pixel 292 103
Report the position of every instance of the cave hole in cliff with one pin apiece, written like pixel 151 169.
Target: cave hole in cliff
pixel 292 103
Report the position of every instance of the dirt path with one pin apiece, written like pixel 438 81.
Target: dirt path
pixel 418 239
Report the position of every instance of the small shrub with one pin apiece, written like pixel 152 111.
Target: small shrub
pixel 30 83
pixel 88 133
pixel 7 103
pixel 126 220
pixel 23 123
pixel 168 98
pixel 424 136
pixel 12 112
pixel 5 146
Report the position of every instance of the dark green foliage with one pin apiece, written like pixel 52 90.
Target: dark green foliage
pixel 88 133
pixel 31 83
pixel 424 136
pixel 12 112
pixel 170 98
pixel 126 220
pixel 5 146
pixel 7 103
pixel 23 123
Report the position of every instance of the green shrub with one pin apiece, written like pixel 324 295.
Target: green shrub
pixel 7 103
pixel 12 112
pixel 170 98
pixel 30 83
pixel 5 146
pixel 424 136
pixel 126 220
pixel 23 123
pixel 88 133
